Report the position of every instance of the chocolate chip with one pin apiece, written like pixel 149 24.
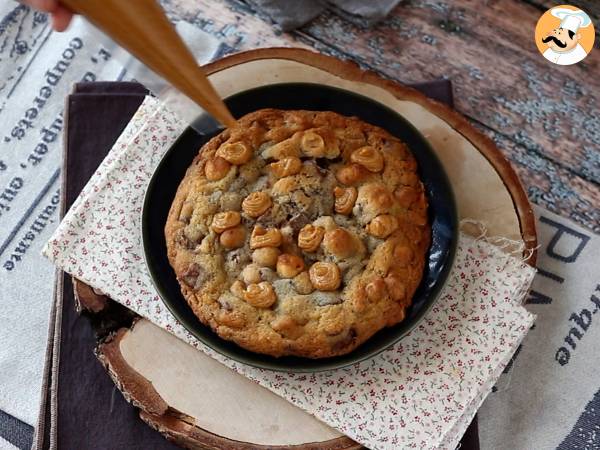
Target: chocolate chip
pixel 267 220
pixel 322 166
pixel 224 304
pixel 267 274
pixel 344 341
pixel 298 221
pixel 248 222
pixel 183 241
pixel 235 259
pixel 194 276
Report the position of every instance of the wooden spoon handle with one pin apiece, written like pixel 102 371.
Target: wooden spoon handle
pixel 141 27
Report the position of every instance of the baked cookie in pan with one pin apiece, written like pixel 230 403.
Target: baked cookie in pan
pixel 299 232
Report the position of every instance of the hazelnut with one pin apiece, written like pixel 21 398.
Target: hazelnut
pixel 285 167
pixel 260 295
pixel 268 274
pixel 283 323
pixel 344 199
pixel 186 211
pixel 405 196
pixel 395 287
pixel 359 303
pixel 382 226
pixel 421 202
pixel 288 266
pixel 251 274
pixel 403 255
pixel 284 186
pixel 408 178
pixel 224 220
pixel 287 327
pixel 262 237
pixel 376 289
pixel 419 217
pixel 285 146
pixel 232 319
pixel 310 237
pixel 325 276
pixel 350 174
pixel 369 158
pixel 339 242
pixel 302 283
pixel 237 288
pixel 373 199
pixel 256 204
pixel 266 256
pixel 233 237
pixel 313 145
pixel 326 222
pixel 237 153
pixel 216 169
pixel 332 321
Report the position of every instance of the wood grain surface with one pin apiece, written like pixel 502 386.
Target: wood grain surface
pixel 545 118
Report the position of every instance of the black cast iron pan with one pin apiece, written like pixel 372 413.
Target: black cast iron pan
pixel 172 168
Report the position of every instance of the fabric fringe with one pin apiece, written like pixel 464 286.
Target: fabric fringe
pixel 479 231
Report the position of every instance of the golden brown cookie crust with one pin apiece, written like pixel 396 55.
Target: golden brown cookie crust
pixel 299 232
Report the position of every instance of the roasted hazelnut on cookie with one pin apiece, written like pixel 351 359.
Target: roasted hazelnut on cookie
pixel 402 255
pixel 288 266
pixel 373 199
pixel 313 145
pixel 350 174
pixel 382 226
pixel 287 326
pixel 290 165
pixel 406 196
pixel 376 289
pixel 339 242
pixel 256 204
pixel 325 276
pixel 266 256
pixel 344 199
pixel 369 158
pixel 237 153
pixel 310 237
pixel 238 288
pixel 251 274
pixel 262 237
pixel 216 168
pixel 233 237
pixel 395 287
pixel 223 221
pixel 260 295
pixel 302 283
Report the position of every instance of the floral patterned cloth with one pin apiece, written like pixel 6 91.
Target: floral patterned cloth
pixel 422 393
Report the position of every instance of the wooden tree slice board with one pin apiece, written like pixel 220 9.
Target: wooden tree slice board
pixel 199 403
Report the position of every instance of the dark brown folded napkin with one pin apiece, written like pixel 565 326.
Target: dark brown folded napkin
pixel 90 413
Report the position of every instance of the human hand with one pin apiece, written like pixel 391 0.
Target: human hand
pixel 61 16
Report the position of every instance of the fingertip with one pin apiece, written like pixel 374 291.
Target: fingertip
pixel 61 18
